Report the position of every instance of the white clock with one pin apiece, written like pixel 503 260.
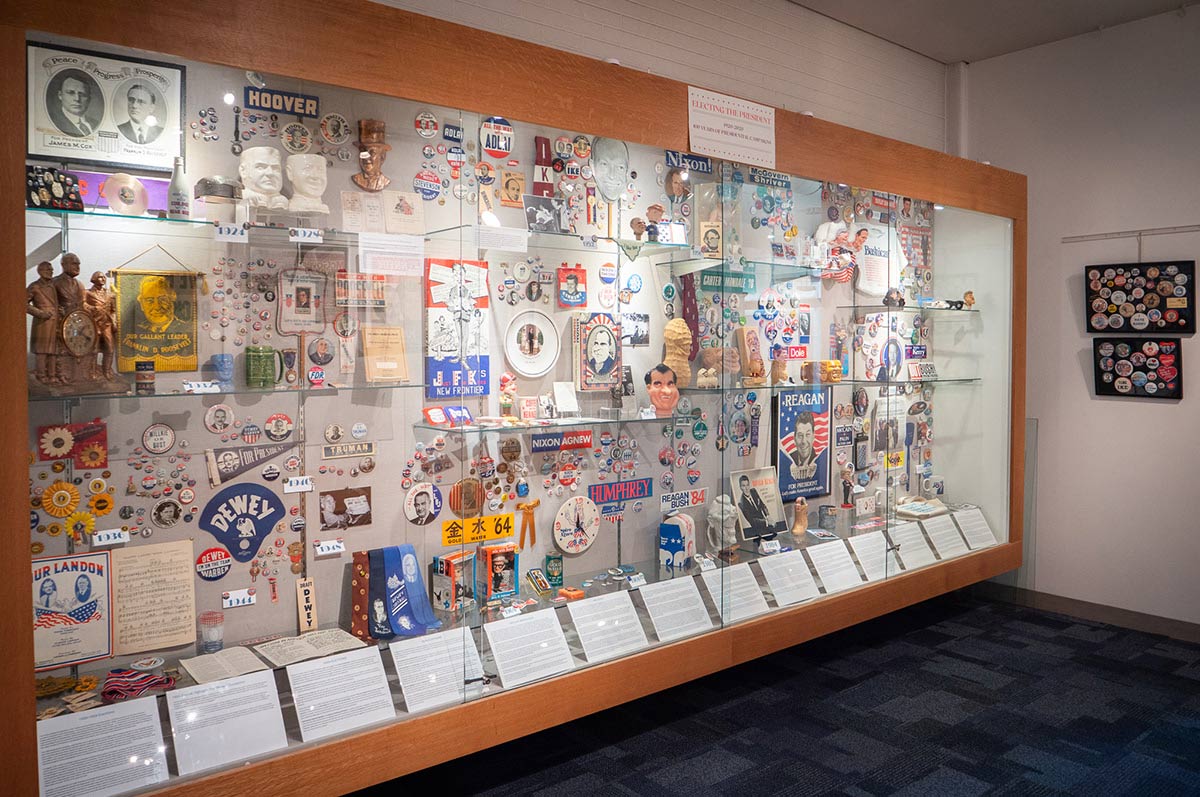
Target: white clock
pixel 576 525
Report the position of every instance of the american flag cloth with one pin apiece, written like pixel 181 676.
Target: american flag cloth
pixel 820 437
pixel 126 684
pixel 838 270
pixel 50 618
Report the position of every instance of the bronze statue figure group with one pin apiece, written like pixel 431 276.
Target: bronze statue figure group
pixel 70 326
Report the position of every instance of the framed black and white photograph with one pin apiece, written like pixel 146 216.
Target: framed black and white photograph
pixel 635 329
pixel 104 109
pixel 545 213
pixel 759 507
pixel 341 509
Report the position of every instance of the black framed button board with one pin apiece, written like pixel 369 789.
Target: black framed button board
pixel 1141 298
pixel 1138 367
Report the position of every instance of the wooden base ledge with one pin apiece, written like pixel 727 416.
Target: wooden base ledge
pixel 355 762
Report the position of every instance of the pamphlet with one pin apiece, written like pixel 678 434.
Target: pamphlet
pixel 282 652
pixel 227 663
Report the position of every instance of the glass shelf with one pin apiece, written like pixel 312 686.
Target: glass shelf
pixel 542 425
pixel 863 309
pixel 568 241
pixel 325 390
pixel 779 271
pixel 815 385
pixel 98 214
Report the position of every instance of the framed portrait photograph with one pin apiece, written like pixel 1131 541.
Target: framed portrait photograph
pixel 759 507
pixel 301 299
pixel 107 110
pixel 156 319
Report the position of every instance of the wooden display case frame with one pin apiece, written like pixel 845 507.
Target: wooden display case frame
pixel 376 48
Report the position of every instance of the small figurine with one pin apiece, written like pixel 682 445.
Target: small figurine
pixel 893 298
pixel 508 392
pixel 847 474
pixel 101 305
pixel 779 374
pixel 969 299
pixel 41 302
pixel 722 528
pixel 654 214
pixel 69 293
pixel 753 370
pixel 800 521
pixel 638 225
pixel 706 378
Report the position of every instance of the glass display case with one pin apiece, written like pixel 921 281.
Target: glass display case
pixel 406 407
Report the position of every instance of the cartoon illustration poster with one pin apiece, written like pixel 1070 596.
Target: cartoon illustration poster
pixel 72 617
pixel 457 320
pixel 802 437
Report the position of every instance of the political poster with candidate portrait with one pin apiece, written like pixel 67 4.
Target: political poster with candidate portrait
pixel 156 319
pixel 72 617
pixel 802 450
pixel 457 320
pixel 101 108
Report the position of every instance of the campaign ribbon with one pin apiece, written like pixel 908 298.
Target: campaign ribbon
pixel 400 610
pixel 418 596
pixel 378 621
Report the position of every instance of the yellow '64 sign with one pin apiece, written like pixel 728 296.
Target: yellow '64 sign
pixel 477 529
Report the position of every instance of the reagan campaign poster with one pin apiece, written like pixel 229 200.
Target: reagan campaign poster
pixel 803 451
pixel 72 620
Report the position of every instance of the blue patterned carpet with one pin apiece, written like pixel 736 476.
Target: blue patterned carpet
pixel 956 696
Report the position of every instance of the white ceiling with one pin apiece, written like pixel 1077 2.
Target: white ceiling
pixel 971 30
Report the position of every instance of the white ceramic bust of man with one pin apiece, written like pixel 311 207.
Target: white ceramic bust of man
pixel 308 178
pixel 261 171
pixel 722 523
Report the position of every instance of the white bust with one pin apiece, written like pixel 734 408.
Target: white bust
pixel 722 524
pixel 307 176
pixel 261 171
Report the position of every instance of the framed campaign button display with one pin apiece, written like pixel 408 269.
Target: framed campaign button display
pixel 1138 367
pixel 1140 298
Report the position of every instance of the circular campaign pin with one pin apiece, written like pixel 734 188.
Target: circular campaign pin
pixel 496 136
pixel 427 184
pixel 213 564
pixel 426 124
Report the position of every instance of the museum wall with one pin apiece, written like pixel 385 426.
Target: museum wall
pixel 1104 125
pixel 771 51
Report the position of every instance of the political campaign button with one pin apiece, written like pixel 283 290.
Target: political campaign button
pixel 427 184
pixel 358 431
pixel 563 146
pixel 496 136
pixel 213 564
pixel 426 124
pixel 581 146
pixel 270 472
pixel 158 438
pixel 334 128
pixel 279 427
pixel 296 138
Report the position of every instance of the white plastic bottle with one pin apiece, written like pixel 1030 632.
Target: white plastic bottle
pixel 179 203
